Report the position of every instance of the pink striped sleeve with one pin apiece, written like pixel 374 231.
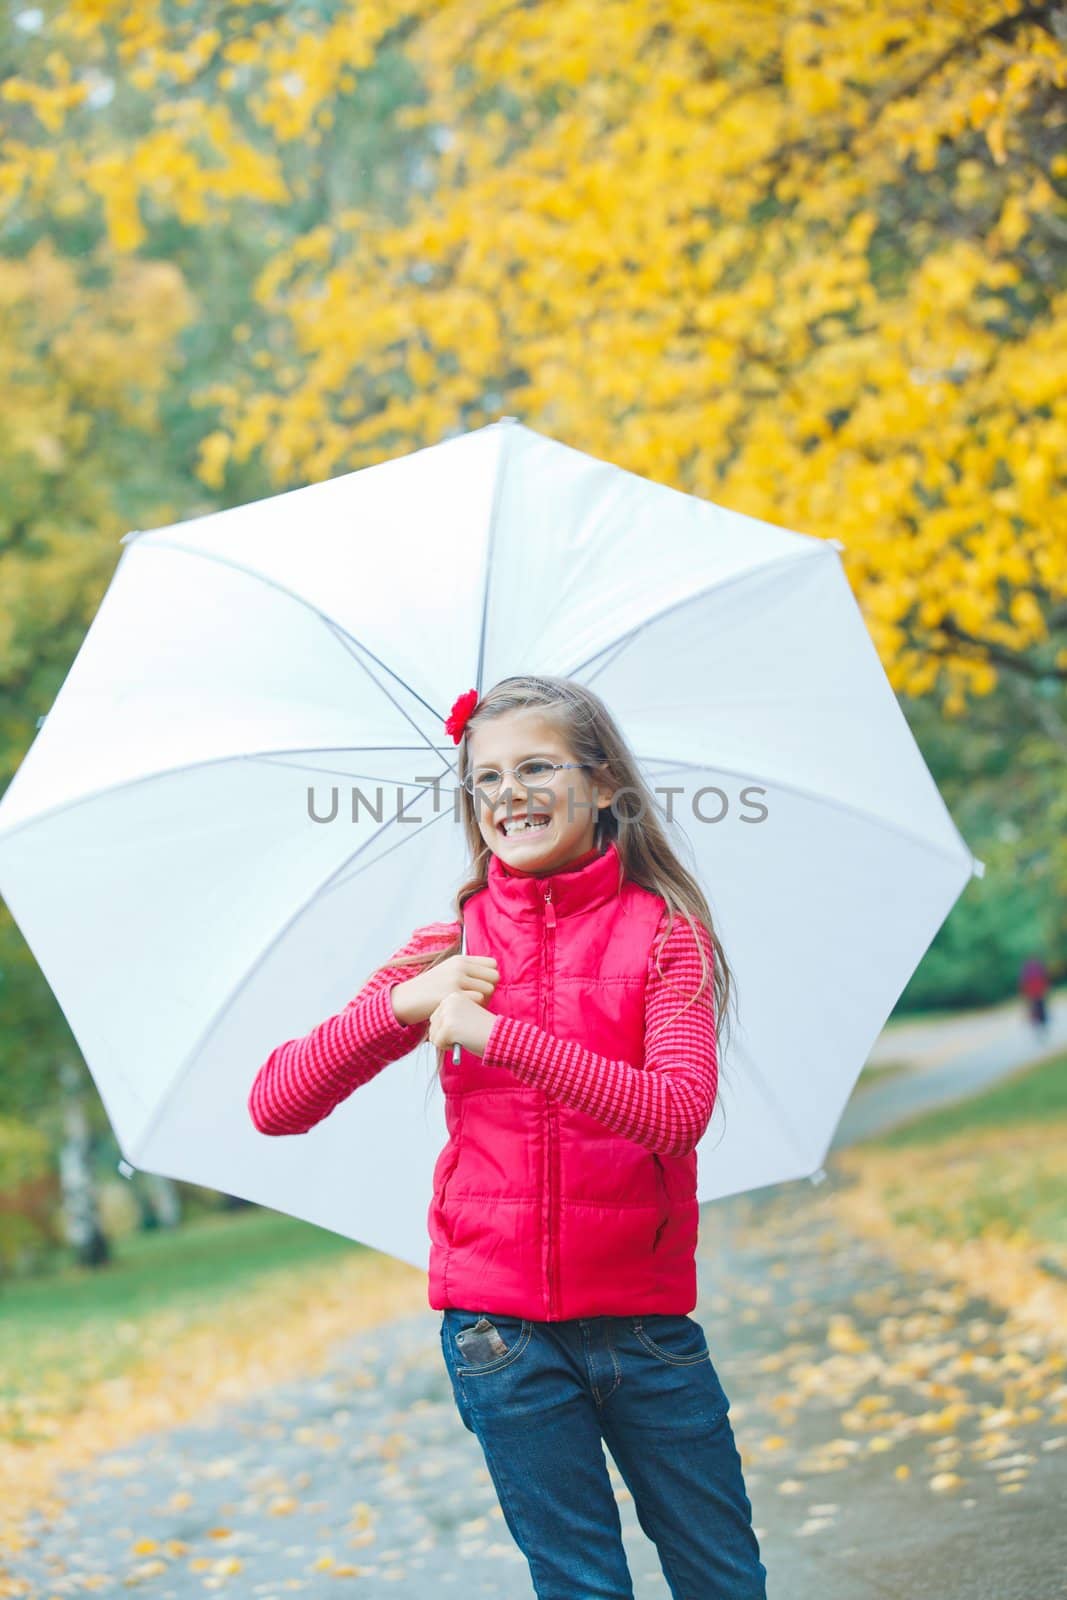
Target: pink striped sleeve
pixel 665 1105
pixel 303 1079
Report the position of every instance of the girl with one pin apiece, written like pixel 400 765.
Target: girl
pixel 563 1222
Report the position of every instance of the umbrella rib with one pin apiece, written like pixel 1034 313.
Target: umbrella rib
pixel 338 882
pixel 213 1023
pixel 627 638
pixel 316 749
pixel 341 772
pixel 282 588
pixel 494 514
pixel 347 643
pixel 827 800
pixel 612 653
pixel 193 766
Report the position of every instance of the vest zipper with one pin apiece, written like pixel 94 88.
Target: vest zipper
pixel 552 1118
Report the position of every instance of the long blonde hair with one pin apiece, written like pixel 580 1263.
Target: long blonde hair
pixel 632 820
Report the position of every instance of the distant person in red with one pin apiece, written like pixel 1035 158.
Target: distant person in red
pixel 1034 984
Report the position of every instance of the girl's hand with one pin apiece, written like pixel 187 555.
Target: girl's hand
pixel 461 1019
pixel 419 997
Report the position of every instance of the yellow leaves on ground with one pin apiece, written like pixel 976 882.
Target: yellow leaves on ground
pixel 941 1482
pixel 906 1381
pixel 283 1327
pixel 842 1335
pixel 926 1204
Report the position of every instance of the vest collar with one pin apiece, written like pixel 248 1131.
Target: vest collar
pixel 573 890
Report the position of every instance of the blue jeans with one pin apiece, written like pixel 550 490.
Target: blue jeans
pixel 541 1396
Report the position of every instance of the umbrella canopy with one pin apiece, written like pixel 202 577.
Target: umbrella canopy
pixel 168 851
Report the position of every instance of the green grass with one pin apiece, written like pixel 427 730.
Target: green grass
pixel 936 1181
pixel 1007 1201
pixel 882 1071
pixel 211 1255
pixel 1036 1093
pixel 909 1019
pixel 935 1014
pixel 77 1324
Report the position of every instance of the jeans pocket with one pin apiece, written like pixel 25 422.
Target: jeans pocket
pixel 677 1340
pixel 484 1344
pixel 457 1388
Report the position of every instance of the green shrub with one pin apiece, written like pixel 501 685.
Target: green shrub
pixel 29 1194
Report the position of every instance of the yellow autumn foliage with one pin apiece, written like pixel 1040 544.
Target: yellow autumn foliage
pixel 804 260
pixel 78 360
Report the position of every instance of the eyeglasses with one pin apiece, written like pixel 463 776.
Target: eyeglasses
pixel 530 774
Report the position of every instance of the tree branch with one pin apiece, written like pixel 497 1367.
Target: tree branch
pixel 989 651
pixel 1003 28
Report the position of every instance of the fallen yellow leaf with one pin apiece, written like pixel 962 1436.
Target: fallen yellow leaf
pixel 943 1481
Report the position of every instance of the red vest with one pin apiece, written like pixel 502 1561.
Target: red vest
pixel 539 1210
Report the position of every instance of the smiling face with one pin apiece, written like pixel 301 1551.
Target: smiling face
pixel 567 800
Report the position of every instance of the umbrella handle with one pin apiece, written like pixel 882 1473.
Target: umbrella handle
pixel 463 951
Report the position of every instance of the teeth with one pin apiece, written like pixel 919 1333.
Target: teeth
pixel 524 826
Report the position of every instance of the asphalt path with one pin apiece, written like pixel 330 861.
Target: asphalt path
pixel 877 1411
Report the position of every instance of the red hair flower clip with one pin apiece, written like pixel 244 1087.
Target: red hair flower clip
pixel 460 714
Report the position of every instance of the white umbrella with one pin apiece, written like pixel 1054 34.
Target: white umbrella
pixel 157 851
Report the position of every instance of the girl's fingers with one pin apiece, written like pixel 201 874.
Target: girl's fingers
pixel 479 985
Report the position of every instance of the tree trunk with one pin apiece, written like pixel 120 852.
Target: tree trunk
pixel 166 1199
pixel 81 1219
